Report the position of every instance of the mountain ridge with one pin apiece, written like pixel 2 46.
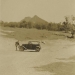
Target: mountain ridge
pixel 35 19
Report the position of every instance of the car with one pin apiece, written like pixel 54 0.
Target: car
pixel 32 45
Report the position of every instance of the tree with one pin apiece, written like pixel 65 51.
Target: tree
pixel 30 25
pixel 49 26
pixel 23 24
pixel 66 24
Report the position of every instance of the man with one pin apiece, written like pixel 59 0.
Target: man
pixel 72 32
pixel 17 44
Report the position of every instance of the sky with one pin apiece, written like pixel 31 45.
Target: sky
pixel 49 10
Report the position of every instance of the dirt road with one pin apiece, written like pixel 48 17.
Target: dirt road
pixel 22 63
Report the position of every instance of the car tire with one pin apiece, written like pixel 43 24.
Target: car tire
pixel 37 49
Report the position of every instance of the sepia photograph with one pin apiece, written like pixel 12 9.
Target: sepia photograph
pixel 37 37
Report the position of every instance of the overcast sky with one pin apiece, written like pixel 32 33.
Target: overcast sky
pixel 49 10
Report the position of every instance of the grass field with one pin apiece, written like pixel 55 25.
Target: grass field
pixel 33 34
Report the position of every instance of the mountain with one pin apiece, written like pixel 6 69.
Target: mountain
pixel 27 19
pixel 35 19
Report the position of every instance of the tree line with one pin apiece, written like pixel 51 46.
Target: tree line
pixel 29 25
pixel 65 26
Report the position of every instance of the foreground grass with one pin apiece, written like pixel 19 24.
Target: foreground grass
pixel 33 34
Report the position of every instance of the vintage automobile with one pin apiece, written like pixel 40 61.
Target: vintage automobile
pixel 32 45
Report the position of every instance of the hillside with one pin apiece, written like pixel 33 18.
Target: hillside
pixel 35 19
pixel 27 19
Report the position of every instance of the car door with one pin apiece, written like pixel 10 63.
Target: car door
pixel 30 45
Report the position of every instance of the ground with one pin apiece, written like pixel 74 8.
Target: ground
pixel 57 57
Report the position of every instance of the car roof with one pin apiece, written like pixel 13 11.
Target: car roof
pixel 33 41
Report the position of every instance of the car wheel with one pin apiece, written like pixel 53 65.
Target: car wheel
pixel 37 49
